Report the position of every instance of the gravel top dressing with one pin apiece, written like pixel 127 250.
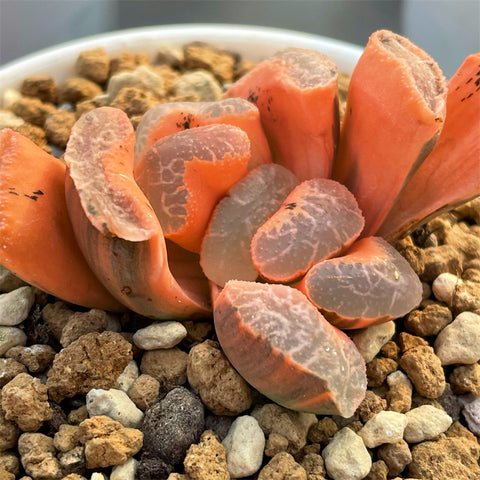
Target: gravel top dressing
pixel 234 317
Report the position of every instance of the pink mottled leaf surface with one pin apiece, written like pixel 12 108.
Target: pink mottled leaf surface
pixel 318 220
pixel 185 174
pixel 371 284
pixel 282 345
pixel 225 253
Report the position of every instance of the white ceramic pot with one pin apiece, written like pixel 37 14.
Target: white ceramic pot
pixel 256 43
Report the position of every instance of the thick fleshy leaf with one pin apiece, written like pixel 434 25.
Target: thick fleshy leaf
pixel 225 253
pixel 450 175
pixel 318 220
pixel 99 155
pixel 135 271
pixel 169 118
pixel 185 174
pixel 36 238
pixel 139 274
pixel 296 93
pixel 394 114
pixel 282 345
pixel 372 283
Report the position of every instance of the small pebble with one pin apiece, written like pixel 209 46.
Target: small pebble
pixel 99 358
pixel 429 321
pixel 471 412
pixel 294 426
pixel 314 466
pixel 383 427
pixel 10 96
pixel 425 423
pixel 73 460
pixel 126 471
pixel 459 342
pixel 221 388
pixel 199 83
pixel 9 281
pixel 406 341
pixel 425 371
pixel 37 455
pixel 275 443
pixel 127 378
pixel 10 462
pixel 459 460
pixel 93 64
pixel 400 391
pixel 207 459
pixel 396 456
pixel 444 286
pixel 369 341
pixel 346 457
pixel 244 445
pixel 58 126
pixel 145 391
pixel 9 369
pixel 160 335
pixel 199 55
pixel 35 357
pixel 466 379
pixel 9 120
pixel 283 466
pixel 378 471
pixel 170 427
pixel 11 337
pixel 44 87
pixel 108 442
pixel 66 438
pixel 170 54
pixel 32 110
pixel 81 323
pixel 378 369
pixel 9 432
pixel 323 430
pixel 24 400
pixel 168 366
pixel 467 298
pixel 77 89
pixel 116 405
pixel 15 305
pixel 370 406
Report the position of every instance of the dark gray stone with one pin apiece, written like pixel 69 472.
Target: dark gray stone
pixel 171 426
pixel 151 468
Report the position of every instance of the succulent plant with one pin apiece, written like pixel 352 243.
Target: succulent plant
pixel 189 215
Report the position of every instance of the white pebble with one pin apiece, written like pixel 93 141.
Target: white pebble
pixel 346 457
pixel 15 305
pixel 444 287
pixel 244 445
pixel 116 405
pixel 471 412
pixel 9 120
pixel 383 427
pixel 98 476
pixel 125 471
pixel 425 423
pixel 127 378
pixel 160 335
pixel 10 96
pixel 459 342
pixel 370 340
pixel 11 337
